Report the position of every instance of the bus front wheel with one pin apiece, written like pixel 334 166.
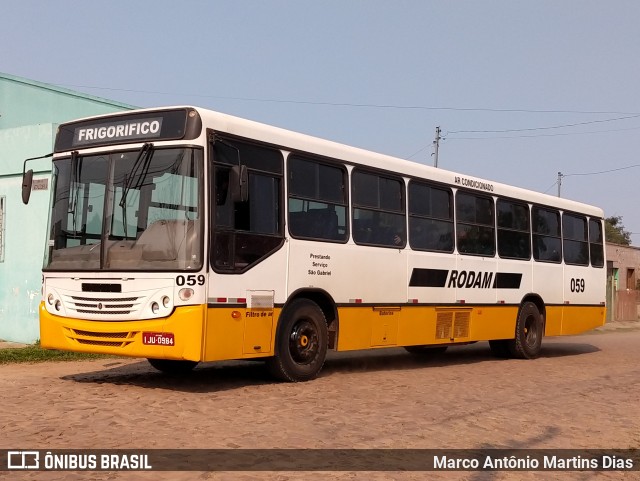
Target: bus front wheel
pixel 529 331
pixel 171 366
pixel 301 342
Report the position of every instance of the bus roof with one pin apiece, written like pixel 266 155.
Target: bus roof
pixel 294 141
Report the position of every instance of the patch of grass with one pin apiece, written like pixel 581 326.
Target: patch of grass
pixel 35 353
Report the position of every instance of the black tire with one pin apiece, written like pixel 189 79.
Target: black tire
pixel 529 331
pixel 171 366
pixel 500 348
pixel 301 342
pixel 426 350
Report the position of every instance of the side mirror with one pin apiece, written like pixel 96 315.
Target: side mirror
pixel 27 182
pixel 239 183
pixel 27 178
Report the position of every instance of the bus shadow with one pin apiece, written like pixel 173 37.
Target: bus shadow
pixel 563 349
pixel 399 359
pixel 206 378
pixel 230 375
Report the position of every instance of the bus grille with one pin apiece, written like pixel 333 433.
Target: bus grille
pixel 443 325
pixel 103 306
pixel 100 343
pixel 105 339
pixel 119 335
pixel 461 324
pixel 453 324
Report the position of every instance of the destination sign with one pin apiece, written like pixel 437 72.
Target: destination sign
pixel 124 130
pixel 129 127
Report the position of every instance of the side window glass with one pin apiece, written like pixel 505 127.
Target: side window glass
pixel 475 226
pixel 430 218
pixel 547 245
pixel 575 240
pixel 596 247
pixel 245 231
pixel 378 210
pixel 317 200
pixel 514 234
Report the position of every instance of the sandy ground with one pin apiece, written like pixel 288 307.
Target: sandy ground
pixel 583 392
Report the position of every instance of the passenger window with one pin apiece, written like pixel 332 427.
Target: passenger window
pixel 430 218
pixel 378 210
pixel 317 200
pixel 245 231
pixel 575 239
pixel 475 227
pixel 547 245
pixel 596 247
pixel 514 234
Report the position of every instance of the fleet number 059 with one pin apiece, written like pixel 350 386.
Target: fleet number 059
pixel 577 285
pixel 190 280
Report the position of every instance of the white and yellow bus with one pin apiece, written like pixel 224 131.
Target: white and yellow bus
pixel 183 235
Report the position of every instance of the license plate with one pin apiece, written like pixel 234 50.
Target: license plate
pixel 158 338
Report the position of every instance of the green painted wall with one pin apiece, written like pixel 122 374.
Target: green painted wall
pixel 27 102
pixel 29 114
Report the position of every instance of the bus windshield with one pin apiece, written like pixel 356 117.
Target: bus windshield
pixel 133 210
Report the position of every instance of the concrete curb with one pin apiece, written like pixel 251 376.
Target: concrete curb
pixel 619 325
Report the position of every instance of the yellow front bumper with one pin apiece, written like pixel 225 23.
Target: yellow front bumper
pixel 126 338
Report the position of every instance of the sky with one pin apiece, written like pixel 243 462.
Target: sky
pixel 521 90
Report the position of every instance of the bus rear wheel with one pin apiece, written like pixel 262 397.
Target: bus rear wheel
pixel 301 342
pixel 529 331
pixel 172 366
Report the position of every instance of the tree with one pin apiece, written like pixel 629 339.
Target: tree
pixel 615 232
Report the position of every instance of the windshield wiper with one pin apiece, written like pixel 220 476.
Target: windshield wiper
pixel 140 165
pixel 76 169
pixel 140 168
pixel 73 181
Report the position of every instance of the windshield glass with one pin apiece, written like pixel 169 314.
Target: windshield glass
pixel 135 210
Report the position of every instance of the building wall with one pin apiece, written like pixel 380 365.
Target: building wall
pixel 623 272
pixel 29 115
pixel 28 102
pixel 24 229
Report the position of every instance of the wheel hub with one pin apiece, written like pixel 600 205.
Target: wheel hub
pixel 303 342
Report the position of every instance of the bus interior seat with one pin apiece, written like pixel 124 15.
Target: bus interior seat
pixel 317 223
pixel 362 230
pixel 164 239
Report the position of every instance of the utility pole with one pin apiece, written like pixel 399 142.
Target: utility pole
pixel 436 144
pixel 559 182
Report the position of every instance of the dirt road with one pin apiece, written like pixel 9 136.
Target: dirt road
pixel 582 393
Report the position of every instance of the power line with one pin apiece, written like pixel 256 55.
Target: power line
pixel 542 128
pixel 603 171
pixel 559 134
pixel 552 186
pixel 416 153
pixel 561 175
pixel 357 105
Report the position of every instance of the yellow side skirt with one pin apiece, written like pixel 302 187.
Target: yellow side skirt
pixel 220 333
